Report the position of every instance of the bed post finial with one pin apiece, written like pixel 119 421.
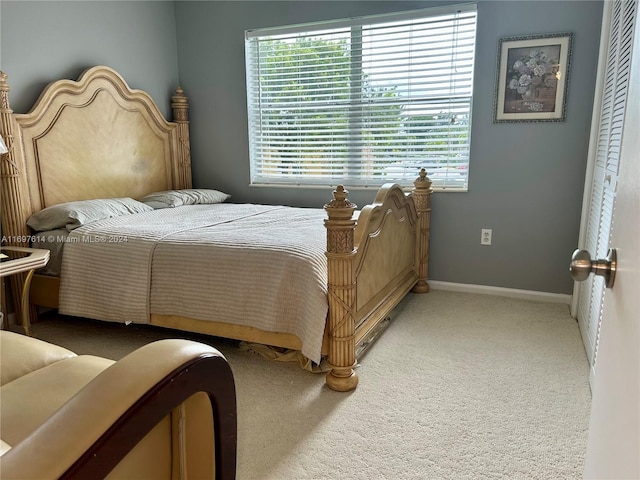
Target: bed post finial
pixel 5 111
pixel 180 106
pixel 341 291
pixel 4 88
pixel 422 198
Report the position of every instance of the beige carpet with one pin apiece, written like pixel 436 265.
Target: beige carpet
pixel 459 386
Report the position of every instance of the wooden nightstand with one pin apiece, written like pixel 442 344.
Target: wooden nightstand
pixel 20 260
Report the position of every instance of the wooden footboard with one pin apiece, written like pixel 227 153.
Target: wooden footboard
pixel 372 263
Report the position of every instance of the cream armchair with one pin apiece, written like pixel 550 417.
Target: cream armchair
pixel 165 411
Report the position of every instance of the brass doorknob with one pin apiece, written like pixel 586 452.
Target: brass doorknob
pixel 582 265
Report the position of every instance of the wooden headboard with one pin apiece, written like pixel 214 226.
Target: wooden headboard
pixel 90 138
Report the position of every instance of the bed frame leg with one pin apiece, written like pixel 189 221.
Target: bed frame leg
pixel 342 379
pixel 422 198
pixel 341 291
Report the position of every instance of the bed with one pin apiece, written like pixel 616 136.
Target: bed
pixel 97 139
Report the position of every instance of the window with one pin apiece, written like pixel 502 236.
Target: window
pixel 364 101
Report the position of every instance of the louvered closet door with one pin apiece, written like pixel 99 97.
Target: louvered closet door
pixel 606 150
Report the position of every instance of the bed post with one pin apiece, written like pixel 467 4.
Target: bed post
pixel 13 172
pixel 422 198
pixel 180 106
pixel 341 291
pixel 14 227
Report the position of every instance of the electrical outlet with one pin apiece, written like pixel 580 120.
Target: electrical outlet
pixel 485 236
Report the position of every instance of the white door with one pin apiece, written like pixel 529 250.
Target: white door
pixel 610 108
pixel 613 450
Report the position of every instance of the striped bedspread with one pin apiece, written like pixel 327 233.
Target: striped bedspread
pixel 253 265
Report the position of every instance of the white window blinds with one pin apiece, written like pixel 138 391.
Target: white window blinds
pixel 364 101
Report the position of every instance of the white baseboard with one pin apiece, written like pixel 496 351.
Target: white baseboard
pixel 501 292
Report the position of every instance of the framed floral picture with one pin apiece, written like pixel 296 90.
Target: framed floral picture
pixel 532 78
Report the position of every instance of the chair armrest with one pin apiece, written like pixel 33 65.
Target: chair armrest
pixel 89 435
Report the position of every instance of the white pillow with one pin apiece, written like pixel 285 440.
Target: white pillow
pixel 189 196
pixel 72 215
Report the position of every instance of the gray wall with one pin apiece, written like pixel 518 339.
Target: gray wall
pixel 49 40
pixel 526 179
